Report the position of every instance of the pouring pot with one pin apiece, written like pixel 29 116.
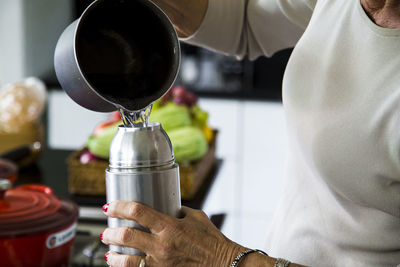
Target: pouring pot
pixel 118 54
pixel 36 227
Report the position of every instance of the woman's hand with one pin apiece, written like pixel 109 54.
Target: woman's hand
pixel 188 241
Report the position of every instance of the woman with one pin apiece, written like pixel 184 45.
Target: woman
pixel 341 91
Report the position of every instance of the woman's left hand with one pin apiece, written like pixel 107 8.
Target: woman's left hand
pixel 191 240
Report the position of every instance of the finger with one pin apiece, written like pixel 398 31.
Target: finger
pixel 129 237
pixel 187 212
pixel 115 259
pixel 140 213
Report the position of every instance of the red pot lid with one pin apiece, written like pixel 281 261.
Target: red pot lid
pixel 33 209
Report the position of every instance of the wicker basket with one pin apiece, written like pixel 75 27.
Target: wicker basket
pixel 89 179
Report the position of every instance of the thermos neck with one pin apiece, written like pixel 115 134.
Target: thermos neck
pixel 141 147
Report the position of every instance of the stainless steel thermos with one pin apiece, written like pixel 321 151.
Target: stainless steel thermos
pixel 143 169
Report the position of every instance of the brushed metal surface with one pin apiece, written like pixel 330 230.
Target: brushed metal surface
pixel 134 147
pixel 158 189
pixel 142 169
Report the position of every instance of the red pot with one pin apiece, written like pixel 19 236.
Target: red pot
pixel 37 229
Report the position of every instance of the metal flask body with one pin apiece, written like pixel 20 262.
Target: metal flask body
pixel 142 169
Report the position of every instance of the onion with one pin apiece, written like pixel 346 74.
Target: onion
pixel 87 157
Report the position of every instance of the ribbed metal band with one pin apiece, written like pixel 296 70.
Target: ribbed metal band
pixel 244 253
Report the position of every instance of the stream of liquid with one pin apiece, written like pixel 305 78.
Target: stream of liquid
pixel 139 118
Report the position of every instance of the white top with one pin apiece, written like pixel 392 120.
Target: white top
pixel 341 91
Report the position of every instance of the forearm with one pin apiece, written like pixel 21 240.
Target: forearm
pixel 186 15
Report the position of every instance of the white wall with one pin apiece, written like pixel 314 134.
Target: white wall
pixel 252 143
pixel 29 31
pixel 11 44
pixel 69 125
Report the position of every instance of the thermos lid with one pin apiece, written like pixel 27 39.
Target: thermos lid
pixel 141 147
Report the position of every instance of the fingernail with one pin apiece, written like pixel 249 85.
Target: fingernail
pixel 101 236
pixel 105 207
pixel 106 256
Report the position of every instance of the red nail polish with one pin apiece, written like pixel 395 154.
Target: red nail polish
pixel 106 256
pixel 105 207
pixel 101 236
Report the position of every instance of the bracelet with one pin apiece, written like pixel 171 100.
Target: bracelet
pixel 281 263
pixel 244 253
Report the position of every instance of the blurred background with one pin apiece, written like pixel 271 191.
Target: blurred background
pixel 242 98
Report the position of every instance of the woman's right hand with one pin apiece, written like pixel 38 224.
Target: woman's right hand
pixel 186 15
pixel 191 240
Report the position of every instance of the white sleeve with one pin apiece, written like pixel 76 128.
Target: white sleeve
pixel 252 27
